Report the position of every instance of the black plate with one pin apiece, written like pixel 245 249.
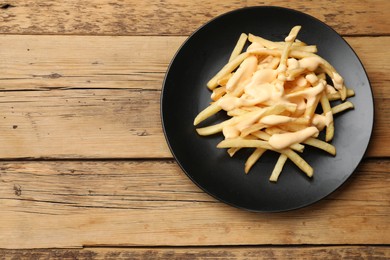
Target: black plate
pixel 185 94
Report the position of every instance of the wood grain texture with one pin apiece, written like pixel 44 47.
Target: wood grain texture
pixel 173 17
pixel 127 203
pixel 31 62
pixel 101 100
pixel 229 253
pixel 81 124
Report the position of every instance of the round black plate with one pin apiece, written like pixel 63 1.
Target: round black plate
pixel 185 94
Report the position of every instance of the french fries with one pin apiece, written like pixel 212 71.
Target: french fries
pixel 239 46
pixel 278 167
pixel 278 97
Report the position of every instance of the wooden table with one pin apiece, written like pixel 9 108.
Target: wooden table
pixel 85 171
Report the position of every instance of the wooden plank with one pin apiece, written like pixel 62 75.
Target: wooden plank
pixel 81 123
pixel 152 203
pixel 172 253
pixel 173 17
pixel 90 83
pixel 379 76
pixel 52 62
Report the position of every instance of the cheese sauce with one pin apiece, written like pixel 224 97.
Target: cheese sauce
pixel 245 71
pixel 230 132
pixel 310 63
pixel 275 120
pixel 330 89
pixel 292 64
pixel 320 121
pixel 337 81
pixel 282 141
pixel 254 45
pixel 309 92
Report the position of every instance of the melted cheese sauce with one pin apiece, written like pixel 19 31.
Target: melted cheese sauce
pixel 281 141
pixel 309 92
pixel 276 120
pixel 330 89
pixel 254 45
pixel 230 132
pixel 320 121
pixel 337 81
pixel 245 71
pixel 292 63
pixel 289 38
pixel 310 63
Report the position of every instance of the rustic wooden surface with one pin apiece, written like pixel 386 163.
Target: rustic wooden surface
pixel 84 163
pixel 231 253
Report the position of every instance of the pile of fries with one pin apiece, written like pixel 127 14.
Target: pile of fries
pixel 277 95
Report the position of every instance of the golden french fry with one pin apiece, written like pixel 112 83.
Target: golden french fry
pixel 278 168
pixel 309 112
pixel 274 130
pixel 239 90
pixel 264 136
pixel 207 112
pixel 292 127
pixel 343 93
pixel 341 107
pixel 329 132
pixel 228 68
pixel 321 76
pixel 321 145
pixel 239 142
pixel 261 135
pixel 253 128
pixel 239 46
pixel 301 121
pixel 298 161
pixel 299 43
pixel 251 108
pixel 273 64
pixel 337 96
pixel 224 80
pixel 267 43
pixel 218 93
pixel 210 130
pixel 294 73
pixel 264 51
pixel 307 48
pixel 289 41
pixel 297 147
pixel 253 158
pixel 301 46
pixel 236 112
pixel 232 151
pixel 326 108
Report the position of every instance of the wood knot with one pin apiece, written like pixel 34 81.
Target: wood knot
pixel 18 189
pixel 6 6
pixel 54 76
